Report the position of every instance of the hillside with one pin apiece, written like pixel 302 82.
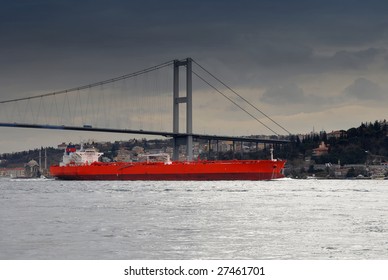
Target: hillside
pixel 367 143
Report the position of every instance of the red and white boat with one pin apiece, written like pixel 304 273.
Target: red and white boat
pixel 84 165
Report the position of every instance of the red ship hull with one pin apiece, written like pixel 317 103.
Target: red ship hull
pixel 174 171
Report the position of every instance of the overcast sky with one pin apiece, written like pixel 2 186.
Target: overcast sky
pixel 306 63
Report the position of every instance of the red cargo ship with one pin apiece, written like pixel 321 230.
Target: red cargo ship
pixel 84 165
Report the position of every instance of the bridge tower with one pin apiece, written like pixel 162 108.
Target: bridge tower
pixel 177 100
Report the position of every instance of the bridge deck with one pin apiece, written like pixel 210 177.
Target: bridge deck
pixel 146 132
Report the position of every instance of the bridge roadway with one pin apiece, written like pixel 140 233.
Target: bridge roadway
pixel 147 132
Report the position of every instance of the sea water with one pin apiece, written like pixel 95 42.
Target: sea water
pixel 282 219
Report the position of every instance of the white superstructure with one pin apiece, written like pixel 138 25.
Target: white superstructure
pixel 80 157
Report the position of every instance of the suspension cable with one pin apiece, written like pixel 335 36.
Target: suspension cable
pixel 112 80
pixel 249 103
pixel 234 102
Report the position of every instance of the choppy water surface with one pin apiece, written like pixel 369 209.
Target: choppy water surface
pixel 285 219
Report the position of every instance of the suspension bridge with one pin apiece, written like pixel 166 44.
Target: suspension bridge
pixel 146 102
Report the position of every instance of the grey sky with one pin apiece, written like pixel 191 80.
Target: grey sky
pixel 306 63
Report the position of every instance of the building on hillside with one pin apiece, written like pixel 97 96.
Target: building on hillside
pixel 62 146
pixel 12 172
pixel 138 150
pixel 336 134
pixel 321 150
pixel 32 169
pixel 123 155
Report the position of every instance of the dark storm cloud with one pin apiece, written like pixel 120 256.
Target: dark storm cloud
pixel 364 89
pixel 354 60
pixel 290 94
pixel 248 41
pixel 201 25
